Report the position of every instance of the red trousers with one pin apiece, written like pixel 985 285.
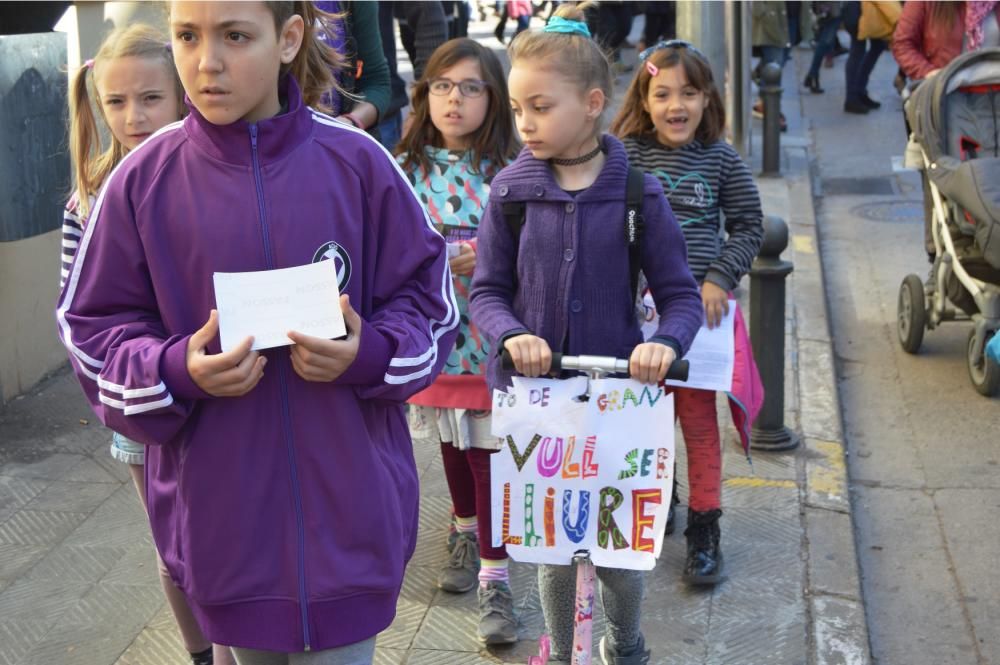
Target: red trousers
pixel 700 425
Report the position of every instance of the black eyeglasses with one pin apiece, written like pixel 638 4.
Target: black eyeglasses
pixel 671 43
pixel 468 87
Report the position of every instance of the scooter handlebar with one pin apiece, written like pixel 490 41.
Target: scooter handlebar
pixel 678 370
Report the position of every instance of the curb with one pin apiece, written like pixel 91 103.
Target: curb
pixel 838 629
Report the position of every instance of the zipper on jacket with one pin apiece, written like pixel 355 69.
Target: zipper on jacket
pixel 285 410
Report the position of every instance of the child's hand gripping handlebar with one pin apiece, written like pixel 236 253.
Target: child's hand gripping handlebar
pixel 601 365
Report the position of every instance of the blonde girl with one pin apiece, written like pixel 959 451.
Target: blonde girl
pixel 564 284
pixel 132 82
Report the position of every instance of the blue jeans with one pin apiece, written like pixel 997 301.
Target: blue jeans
pixel 826 37
pixel 390 131
pixel 776 54
pixel 862 57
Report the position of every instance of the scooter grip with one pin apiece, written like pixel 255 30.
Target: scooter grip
pixel 507 363
pixel 678 370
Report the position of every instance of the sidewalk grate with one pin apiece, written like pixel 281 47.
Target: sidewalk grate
pixel 868 186
pixel 890 211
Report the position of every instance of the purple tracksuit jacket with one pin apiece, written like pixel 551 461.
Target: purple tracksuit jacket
pixel 570 284
pixel 286 515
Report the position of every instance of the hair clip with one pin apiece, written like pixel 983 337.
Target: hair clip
pixel 652 69
pixel 567 26
pixel 672 43
pixel 89 64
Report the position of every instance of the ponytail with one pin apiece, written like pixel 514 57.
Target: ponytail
pixel 90 165
pixel 82 136
pixel 315 63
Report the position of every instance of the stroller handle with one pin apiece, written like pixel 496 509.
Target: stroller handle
pixel 678 370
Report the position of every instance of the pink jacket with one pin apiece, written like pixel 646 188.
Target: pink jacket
pixel 918 47
pixel 518 8
pixel 747 394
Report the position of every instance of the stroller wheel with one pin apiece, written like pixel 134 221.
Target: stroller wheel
pixel 984 373
pixel 911 314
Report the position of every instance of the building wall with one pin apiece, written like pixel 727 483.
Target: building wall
pixel 35 180
pixel 29 286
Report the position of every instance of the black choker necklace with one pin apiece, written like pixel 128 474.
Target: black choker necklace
pixel 576 161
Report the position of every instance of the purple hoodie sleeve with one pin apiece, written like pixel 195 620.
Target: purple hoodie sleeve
pixel 411 319
pixel 109 322
pixel 493 283
pixel 664 263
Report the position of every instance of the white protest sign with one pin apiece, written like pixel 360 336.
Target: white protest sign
pixel 582 475
pixel 712 353
pixel 267 304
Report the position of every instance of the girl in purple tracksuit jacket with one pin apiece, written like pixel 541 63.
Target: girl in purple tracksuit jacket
pixel 283 502
pixel 564 283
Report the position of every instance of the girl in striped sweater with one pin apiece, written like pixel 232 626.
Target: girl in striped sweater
pixel 672 123
pixel 133 84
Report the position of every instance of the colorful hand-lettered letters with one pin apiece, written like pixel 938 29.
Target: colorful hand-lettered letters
pixel 574 475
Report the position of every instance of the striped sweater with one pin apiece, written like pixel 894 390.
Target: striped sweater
pixel 705 183
pixel 72 232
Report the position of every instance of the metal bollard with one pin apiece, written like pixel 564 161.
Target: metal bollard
pixel 770 94
pixel 767 336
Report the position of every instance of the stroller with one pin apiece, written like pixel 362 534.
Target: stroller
pixel 955 122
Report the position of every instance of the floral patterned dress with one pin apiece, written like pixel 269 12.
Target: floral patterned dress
pixel 454 194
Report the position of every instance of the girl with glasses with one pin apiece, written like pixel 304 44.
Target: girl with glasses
pixel 462 134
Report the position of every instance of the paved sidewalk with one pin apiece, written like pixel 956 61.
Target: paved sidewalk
pixel 78 582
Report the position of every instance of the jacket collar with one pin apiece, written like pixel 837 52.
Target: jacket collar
pixel 532 178
pixel 446 156
pixel 276 137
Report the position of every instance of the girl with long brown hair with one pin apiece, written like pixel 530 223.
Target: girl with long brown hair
pixel 672 123
pixel 462 134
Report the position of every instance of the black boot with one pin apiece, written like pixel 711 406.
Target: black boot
pixel 812 82
pixel 704 557
pixel 857 107
pixel 672 513
pixel 869 102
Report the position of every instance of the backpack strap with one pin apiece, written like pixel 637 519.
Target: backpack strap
pixel 634 224
pixel 514 213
